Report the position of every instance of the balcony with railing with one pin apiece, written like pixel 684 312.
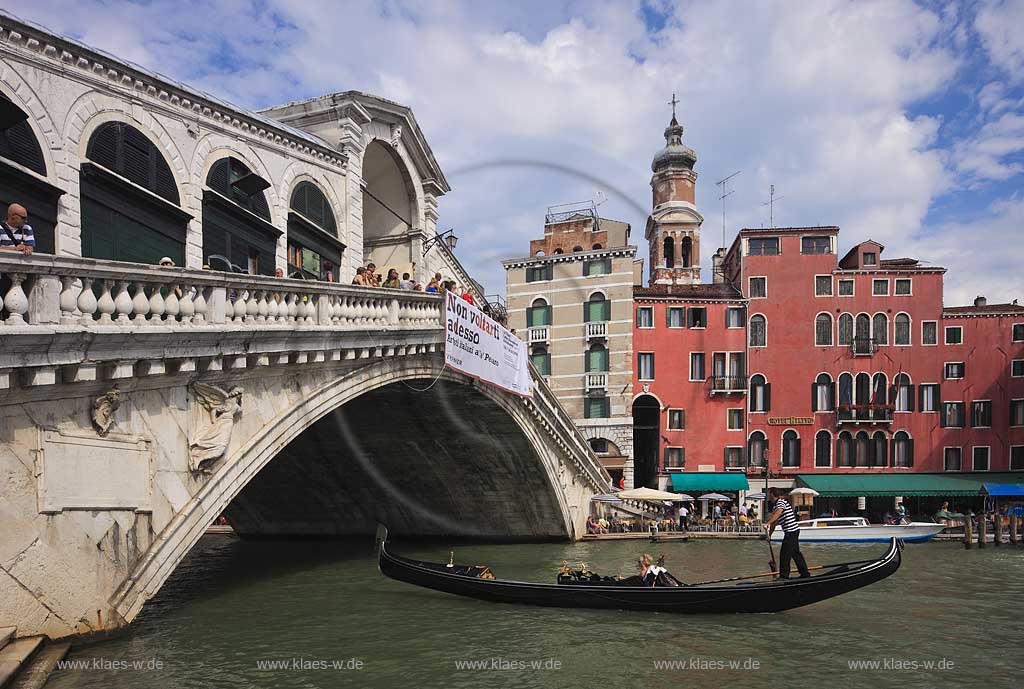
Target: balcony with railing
pixel 597 330
pixel 595 382
pixel 728 384
pixel 864 414
pixel 538 334
pixel 863 346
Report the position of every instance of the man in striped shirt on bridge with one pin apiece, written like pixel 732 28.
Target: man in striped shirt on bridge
pixel 786 519
pixel 15 233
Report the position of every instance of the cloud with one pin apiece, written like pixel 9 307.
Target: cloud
pixel 998 25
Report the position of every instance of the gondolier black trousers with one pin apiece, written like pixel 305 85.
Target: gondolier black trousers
pixel 790 550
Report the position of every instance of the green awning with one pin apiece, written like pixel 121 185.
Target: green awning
pixel 951 484
pixel 708 481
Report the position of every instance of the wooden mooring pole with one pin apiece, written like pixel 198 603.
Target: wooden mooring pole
pixel 982 527
pixel 967 532
pixel 1013 528
pixel 997 530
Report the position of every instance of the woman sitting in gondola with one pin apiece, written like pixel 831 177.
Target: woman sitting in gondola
pixel 652 574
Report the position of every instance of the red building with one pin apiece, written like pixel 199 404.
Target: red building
pixel 798 361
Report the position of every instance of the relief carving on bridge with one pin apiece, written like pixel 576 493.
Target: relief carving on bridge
pixel 221 408
pixel 103 409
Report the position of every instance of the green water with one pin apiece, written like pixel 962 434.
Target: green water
pixel 233 605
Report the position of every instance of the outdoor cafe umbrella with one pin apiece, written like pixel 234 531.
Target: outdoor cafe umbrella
pixel 714 496
pixel 804 491
pixel 607 497
pixel 649 495
pixel 755 496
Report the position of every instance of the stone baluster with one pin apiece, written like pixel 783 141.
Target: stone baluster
pixel 262 307
pixel 105 304
pixel 238 306
pixel 292 309
pixel 272 306
pixel 186 306
pixel 15 300
pixel 122 302
pixel 157 305
pixel 252 307
pixel 172 304
pixel 86 302
pixel 140 304
pixel 308 301
pixel 201 307
pixel 69 293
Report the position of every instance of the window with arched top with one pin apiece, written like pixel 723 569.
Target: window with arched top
pixel 902 449
pixel 20 156
pixel 686 252
pixel 758 331
pixel 845 330
pixel 577 249
pixel 314 249
pixel 862 328
pixel 538 314
pixel 597 359
pixel 669 252
pixel 845 449
pixel 845 392
pixel 880 453
pixel 237 233
pixel 901 329
pixel 596 247
pixel 557 251
pixel 823 330
pixel 880 329
pixel 864 449
pixel 903 393
pixel 822 449
pixel 597 308
pixel 541 359
pixel 130 201
pixel 757 449
pixel 790 449
pixel 760 394
pixel 823 393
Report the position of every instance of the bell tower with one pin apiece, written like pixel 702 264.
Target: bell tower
pixel 673 228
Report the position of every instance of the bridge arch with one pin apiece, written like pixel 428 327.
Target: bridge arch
pixel 554 504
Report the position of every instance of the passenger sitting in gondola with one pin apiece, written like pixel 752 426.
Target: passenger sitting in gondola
pixel 652 574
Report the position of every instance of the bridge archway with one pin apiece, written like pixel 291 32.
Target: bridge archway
pixel 288 479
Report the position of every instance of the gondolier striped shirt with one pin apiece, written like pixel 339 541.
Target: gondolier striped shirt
pixel 787 522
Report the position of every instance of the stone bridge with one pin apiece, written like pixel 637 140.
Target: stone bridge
pixel 122 434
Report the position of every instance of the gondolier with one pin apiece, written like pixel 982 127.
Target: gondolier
pixel 785 517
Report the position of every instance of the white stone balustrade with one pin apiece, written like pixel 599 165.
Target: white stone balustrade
pixel 86 293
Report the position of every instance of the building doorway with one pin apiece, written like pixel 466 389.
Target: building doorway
pixel 646 432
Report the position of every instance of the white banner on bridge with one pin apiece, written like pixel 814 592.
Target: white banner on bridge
pixel 480 347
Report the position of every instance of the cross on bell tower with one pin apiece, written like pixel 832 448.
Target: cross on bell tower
pixel 673 103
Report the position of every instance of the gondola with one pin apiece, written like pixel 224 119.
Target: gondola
pixel 735 595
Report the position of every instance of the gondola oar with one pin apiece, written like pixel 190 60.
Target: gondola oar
pixel 765 574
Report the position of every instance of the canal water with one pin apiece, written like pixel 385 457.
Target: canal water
pixel 235 609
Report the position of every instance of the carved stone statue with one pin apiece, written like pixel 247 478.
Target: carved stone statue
pixel 396 135
pixel 103 409
pixel 223 408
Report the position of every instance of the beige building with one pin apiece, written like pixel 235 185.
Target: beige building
pixel 571 300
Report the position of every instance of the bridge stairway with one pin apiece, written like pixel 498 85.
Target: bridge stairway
pixel 26 663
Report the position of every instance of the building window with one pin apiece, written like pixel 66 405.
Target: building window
pixel 668 253
pixel 845 330
pixel 645 317
pixel 880 288
pixel 901 288
pixel 599 445
pixel 823 285
pixel 767 246
pixel 790 449
pixel 597 309
pixel 815 245
pixel 902 450
pixel 846 287
pixel 980 457
pixel 760 394
pixel 1017 412
pixel 697 317
pixel 676 420
pixel 758 331
pixel 734 458
pixel 981 414
pixel 675 458
pixel 539 273
pixel 880 451
pixel 929 397
pixel 904 393
pixel 954 335
pixel 314 250
pixel 595 407
pixel 1018 332
pixel 645 365
pixel 880 329
pixel 734 419
pixel 539 314
pixel 697 366
pixel 541 359
pixel 954 370
pixel 845 450
pixel 675 317
pixel 758 287
pixel 597 359
pixel 901 330
pixel 952 415
pixel 757 449
pixel 1017 458
pixel 822 393
pixel 822 449
pixel 823 330
pixel 870 258
pixel 1017 368
pixel 597 266
pixel 929 333
pixel 952 459
pixel 734 317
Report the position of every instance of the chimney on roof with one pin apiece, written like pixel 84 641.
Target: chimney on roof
pixel 980 301
pixel 718 266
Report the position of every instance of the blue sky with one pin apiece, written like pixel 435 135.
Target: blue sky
pixel 899 121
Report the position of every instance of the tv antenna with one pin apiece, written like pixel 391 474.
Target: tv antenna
pixel 772 198
pixel 725 194
pixel 599 197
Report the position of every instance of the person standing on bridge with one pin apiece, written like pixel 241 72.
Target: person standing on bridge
pixel 16 234
pixel 786 518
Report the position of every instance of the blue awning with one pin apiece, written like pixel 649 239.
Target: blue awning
pixel 1004 489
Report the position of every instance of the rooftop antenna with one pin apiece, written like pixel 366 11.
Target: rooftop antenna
pixel 772 198
pixel 725 194
pixel 600 197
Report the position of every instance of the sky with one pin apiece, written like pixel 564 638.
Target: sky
pixel 898 121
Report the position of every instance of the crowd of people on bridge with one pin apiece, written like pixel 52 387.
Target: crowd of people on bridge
pixel 367 276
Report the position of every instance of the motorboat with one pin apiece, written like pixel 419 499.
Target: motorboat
pixel 858 530
pixel 581 589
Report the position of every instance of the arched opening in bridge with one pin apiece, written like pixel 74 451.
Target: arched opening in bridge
pixel 646 432
pixel 22 175
pixel 389 209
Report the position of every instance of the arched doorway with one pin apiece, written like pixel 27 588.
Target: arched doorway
pixel 646 432
pixel 389 209
pixel 238 235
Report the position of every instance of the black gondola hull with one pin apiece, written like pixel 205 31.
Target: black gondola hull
pixel 769 596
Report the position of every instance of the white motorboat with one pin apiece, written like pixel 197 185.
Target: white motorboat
pixel 858 530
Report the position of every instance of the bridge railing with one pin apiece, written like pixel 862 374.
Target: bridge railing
pixel 48 290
